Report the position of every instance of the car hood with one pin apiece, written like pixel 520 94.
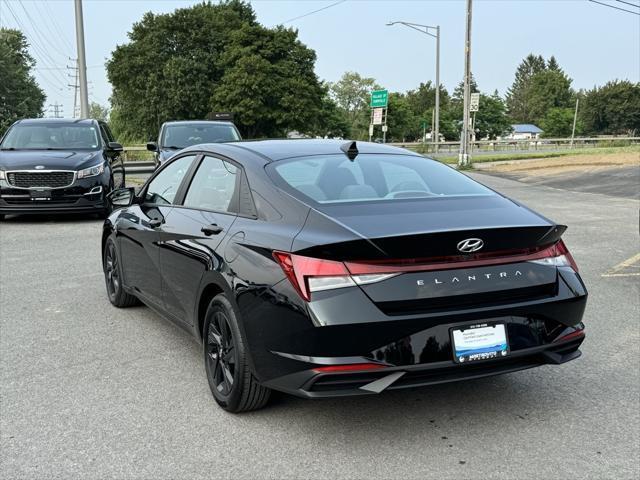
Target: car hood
pixel 166 154
pixel 49 159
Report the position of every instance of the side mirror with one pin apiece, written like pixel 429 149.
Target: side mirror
pixel 122 197
pixel 152 146
pixel 115 147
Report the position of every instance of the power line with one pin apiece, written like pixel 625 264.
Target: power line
pixel 629 3
pixel 315 11
pixel 56 26
pixel 37 32
pixel 47 20
pixel 613 6
pixel 56 83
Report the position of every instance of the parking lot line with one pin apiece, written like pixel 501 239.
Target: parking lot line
pixel 619 270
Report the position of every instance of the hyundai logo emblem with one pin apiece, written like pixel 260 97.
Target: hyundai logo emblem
pixel 39 167
pixel 470 245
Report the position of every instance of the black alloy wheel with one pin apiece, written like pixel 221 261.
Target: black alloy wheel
pixel 221 354
pixel 231 380
pixel 113 278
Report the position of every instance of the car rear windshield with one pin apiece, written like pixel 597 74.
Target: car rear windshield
pixel 334 179
pixel 51 137
pixel 181 136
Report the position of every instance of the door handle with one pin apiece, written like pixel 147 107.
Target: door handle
pixel 154 222
pixel 212 229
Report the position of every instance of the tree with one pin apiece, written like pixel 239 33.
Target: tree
pixel 517 98
pixel 403 124
pixel 549 89
pixel 352 93
pixel 612 109
pixel 98 112
pixel 213 57
pixel 20 95
pixel 558 123
pixel 491 119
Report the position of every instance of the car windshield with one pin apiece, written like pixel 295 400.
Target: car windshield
pixel 334 179
pixel 51 136
pixel 181 136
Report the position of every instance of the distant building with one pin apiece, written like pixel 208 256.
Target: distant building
pixel 524 131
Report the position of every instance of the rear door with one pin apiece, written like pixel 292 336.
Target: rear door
pixel 193 231
pixel 138 230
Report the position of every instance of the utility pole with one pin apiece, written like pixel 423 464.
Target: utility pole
pixel 76 87
pixel 464 158
pixel 437 120
pixel 575 119
pixel 57 110
pixel 82 61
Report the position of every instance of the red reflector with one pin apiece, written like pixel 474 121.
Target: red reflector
pixel 353 367
pixel 571 336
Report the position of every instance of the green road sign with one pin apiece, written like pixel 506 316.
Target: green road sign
pixel 379 98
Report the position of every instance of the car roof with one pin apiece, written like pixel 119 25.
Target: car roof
pixel 274 150
pixel 198 122
pixel 31 121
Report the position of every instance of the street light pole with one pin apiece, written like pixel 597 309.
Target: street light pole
pixel 464 158
pixel 82 61
pixel 435 132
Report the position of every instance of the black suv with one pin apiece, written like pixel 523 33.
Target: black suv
pixel 58 165
pixel 176 135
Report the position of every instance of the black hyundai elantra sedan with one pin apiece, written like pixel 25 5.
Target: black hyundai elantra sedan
pixel 327 268
pixel 51 165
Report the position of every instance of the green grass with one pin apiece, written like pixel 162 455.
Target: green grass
pixel 538 155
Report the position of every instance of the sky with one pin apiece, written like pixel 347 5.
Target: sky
pixel 592 43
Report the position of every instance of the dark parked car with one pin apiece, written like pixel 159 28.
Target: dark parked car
pixel 58 165
pixel 325 269
pixel 174 136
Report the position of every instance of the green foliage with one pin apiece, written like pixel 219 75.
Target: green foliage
pixel 403 124
pixel 98 112
pixel 20 95
pixel 492 120
pixel 613 108
pixel 549 89
pixel 558 123
pixel 352 94
pixel 518 96
pixel 214 57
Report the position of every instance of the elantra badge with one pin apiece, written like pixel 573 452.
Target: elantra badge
pixel 470 245
pixel 40 167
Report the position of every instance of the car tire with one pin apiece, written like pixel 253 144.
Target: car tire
pixel 113 277
pixel 230 378
pixel 1 216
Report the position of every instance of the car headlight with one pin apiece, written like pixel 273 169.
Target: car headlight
pixel 91 171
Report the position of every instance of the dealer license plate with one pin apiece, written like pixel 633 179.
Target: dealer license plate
pixel 479 342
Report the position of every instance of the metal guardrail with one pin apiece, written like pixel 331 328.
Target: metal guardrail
pixel 445 148
pixel 521 145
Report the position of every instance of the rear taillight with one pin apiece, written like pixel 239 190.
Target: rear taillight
pixel 308 274
pixel 558 255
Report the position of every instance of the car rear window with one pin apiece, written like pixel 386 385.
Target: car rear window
pixel 334 179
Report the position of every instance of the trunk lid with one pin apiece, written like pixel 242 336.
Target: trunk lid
pixel 425 228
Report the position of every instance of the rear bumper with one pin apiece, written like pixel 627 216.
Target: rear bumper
pixel 313 384
pixel 288 342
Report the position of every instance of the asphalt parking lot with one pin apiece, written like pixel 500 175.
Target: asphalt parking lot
pixel 90 391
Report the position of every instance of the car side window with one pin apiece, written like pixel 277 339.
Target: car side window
pixel 215 186
pixel 163 188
